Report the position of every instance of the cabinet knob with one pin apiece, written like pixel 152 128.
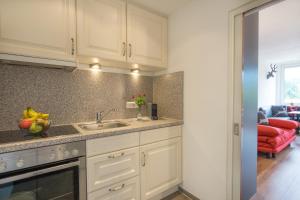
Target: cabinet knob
pixel 3 166
pixel 75 152
pixel 20 163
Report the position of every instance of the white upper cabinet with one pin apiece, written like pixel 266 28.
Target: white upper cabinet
pixel 147 37
pixel 38 28
pixel 112 32
pixel 101 28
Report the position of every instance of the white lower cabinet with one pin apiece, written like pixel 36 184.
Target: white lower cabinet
pixel 112 168
pixel 143 170
pixel 161 167
pixel 125 190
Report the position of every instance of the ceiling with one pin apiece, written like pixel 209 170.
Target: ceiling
pixel 280 32
pixel 163 7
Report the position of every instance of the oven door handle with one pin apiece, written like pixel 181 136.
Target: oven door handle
pixel 38 172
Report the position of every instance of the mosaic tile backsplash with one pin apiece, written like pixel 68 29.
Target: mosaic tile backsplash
pixel 71 97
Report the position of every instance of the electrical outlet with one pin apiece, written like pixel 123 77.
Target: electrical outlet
pixel 131 105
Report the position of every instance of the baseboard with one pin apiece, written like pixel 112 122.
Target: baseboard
pixel 172 196
pixel 166 194
pixel 186 193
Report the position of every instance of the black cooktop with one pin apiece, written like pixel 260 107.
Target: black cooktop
pixel 19 136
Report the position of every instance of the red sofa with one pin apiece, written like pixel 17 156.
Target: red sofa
pixel 275 136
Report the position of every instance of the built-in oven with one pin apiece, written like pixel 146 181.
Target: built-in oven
pixel 48 173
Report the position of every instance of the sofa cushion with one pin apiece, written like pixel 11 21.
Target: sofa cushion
pixel 282 114
pixel 276 109
pixel 267 148
pixel 266 141
pixel 286 124
pixel 269 131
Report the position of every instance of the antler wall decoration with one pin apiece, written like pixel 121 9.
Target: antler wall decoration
pixel 272 72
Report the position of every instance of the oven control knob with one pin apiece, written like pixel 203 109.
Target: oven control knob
pixel 3 166
pixel 20 163
pixel 66 154
pixel 52 156
pixel 75 152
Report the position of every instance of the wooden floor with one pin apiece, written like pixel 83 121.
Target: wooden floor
pixel 279 178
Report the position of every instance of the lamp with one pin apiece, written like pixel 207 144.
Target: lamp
pixel 95 66
pixel 135 71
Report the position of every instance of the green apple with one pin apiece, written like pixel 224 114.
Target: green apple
pixel 35 128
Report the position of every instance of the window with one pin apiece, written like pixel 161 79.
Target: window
pixel 291 85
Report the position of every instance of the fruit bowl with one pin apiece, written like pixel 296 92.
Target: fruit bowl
pixel 34 123
pixel 38 133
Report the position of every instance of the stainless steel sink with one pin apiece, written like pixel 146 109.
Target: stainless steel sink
pixel 101 126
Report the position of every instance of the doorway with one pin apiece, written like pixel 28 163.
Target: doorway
pixel 243 92
pixel 278 97
pixel 245 34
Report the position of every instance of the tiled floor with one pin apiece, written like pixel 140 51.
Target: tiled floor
pixel 177 196
pixel 181 197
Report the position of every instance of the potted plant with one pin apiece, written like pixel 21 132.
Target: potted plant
pixel 140 101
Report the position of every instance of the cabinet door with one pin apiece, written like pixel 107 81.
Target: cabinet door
pixel 112 168
pixel 38 28
pixel 147 37
pixel 125 190
pixel 160 167
pixel 101 28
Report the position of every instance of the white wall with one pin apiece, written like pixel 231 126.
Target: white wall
pixel 266 87
pixel 198 45
pixel 279 43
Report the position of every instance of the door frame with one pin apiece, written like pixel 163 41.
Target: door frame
pixel 235 94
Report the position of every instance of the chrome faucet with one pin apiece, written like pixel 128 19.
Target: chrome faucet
pixel 100 115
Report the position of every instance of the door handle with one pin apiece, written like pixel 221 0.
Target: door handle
pixel 73 46
pixel 38 172
pixel 236 129
pixel 124 48
pixel 130 50
pixel 143 159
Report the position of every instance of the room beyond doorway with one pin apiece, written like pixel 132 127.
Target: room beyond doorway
pixel 279 179
pixel 278 87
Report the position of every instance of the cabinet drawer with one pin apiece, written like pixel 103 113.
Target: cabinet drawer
pixel 109 144
pixel 112 168
pixel 125 190
pixel 160 134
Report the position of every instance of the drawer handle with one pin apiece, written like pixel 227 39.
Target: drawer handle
pixel 116 155
pixel 116 188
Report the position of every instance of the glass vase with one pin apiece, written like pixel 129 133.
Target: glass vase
pixel 139 115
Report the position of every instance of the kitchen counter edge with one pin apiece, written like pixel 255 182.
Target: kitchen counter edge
pixel 31 144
